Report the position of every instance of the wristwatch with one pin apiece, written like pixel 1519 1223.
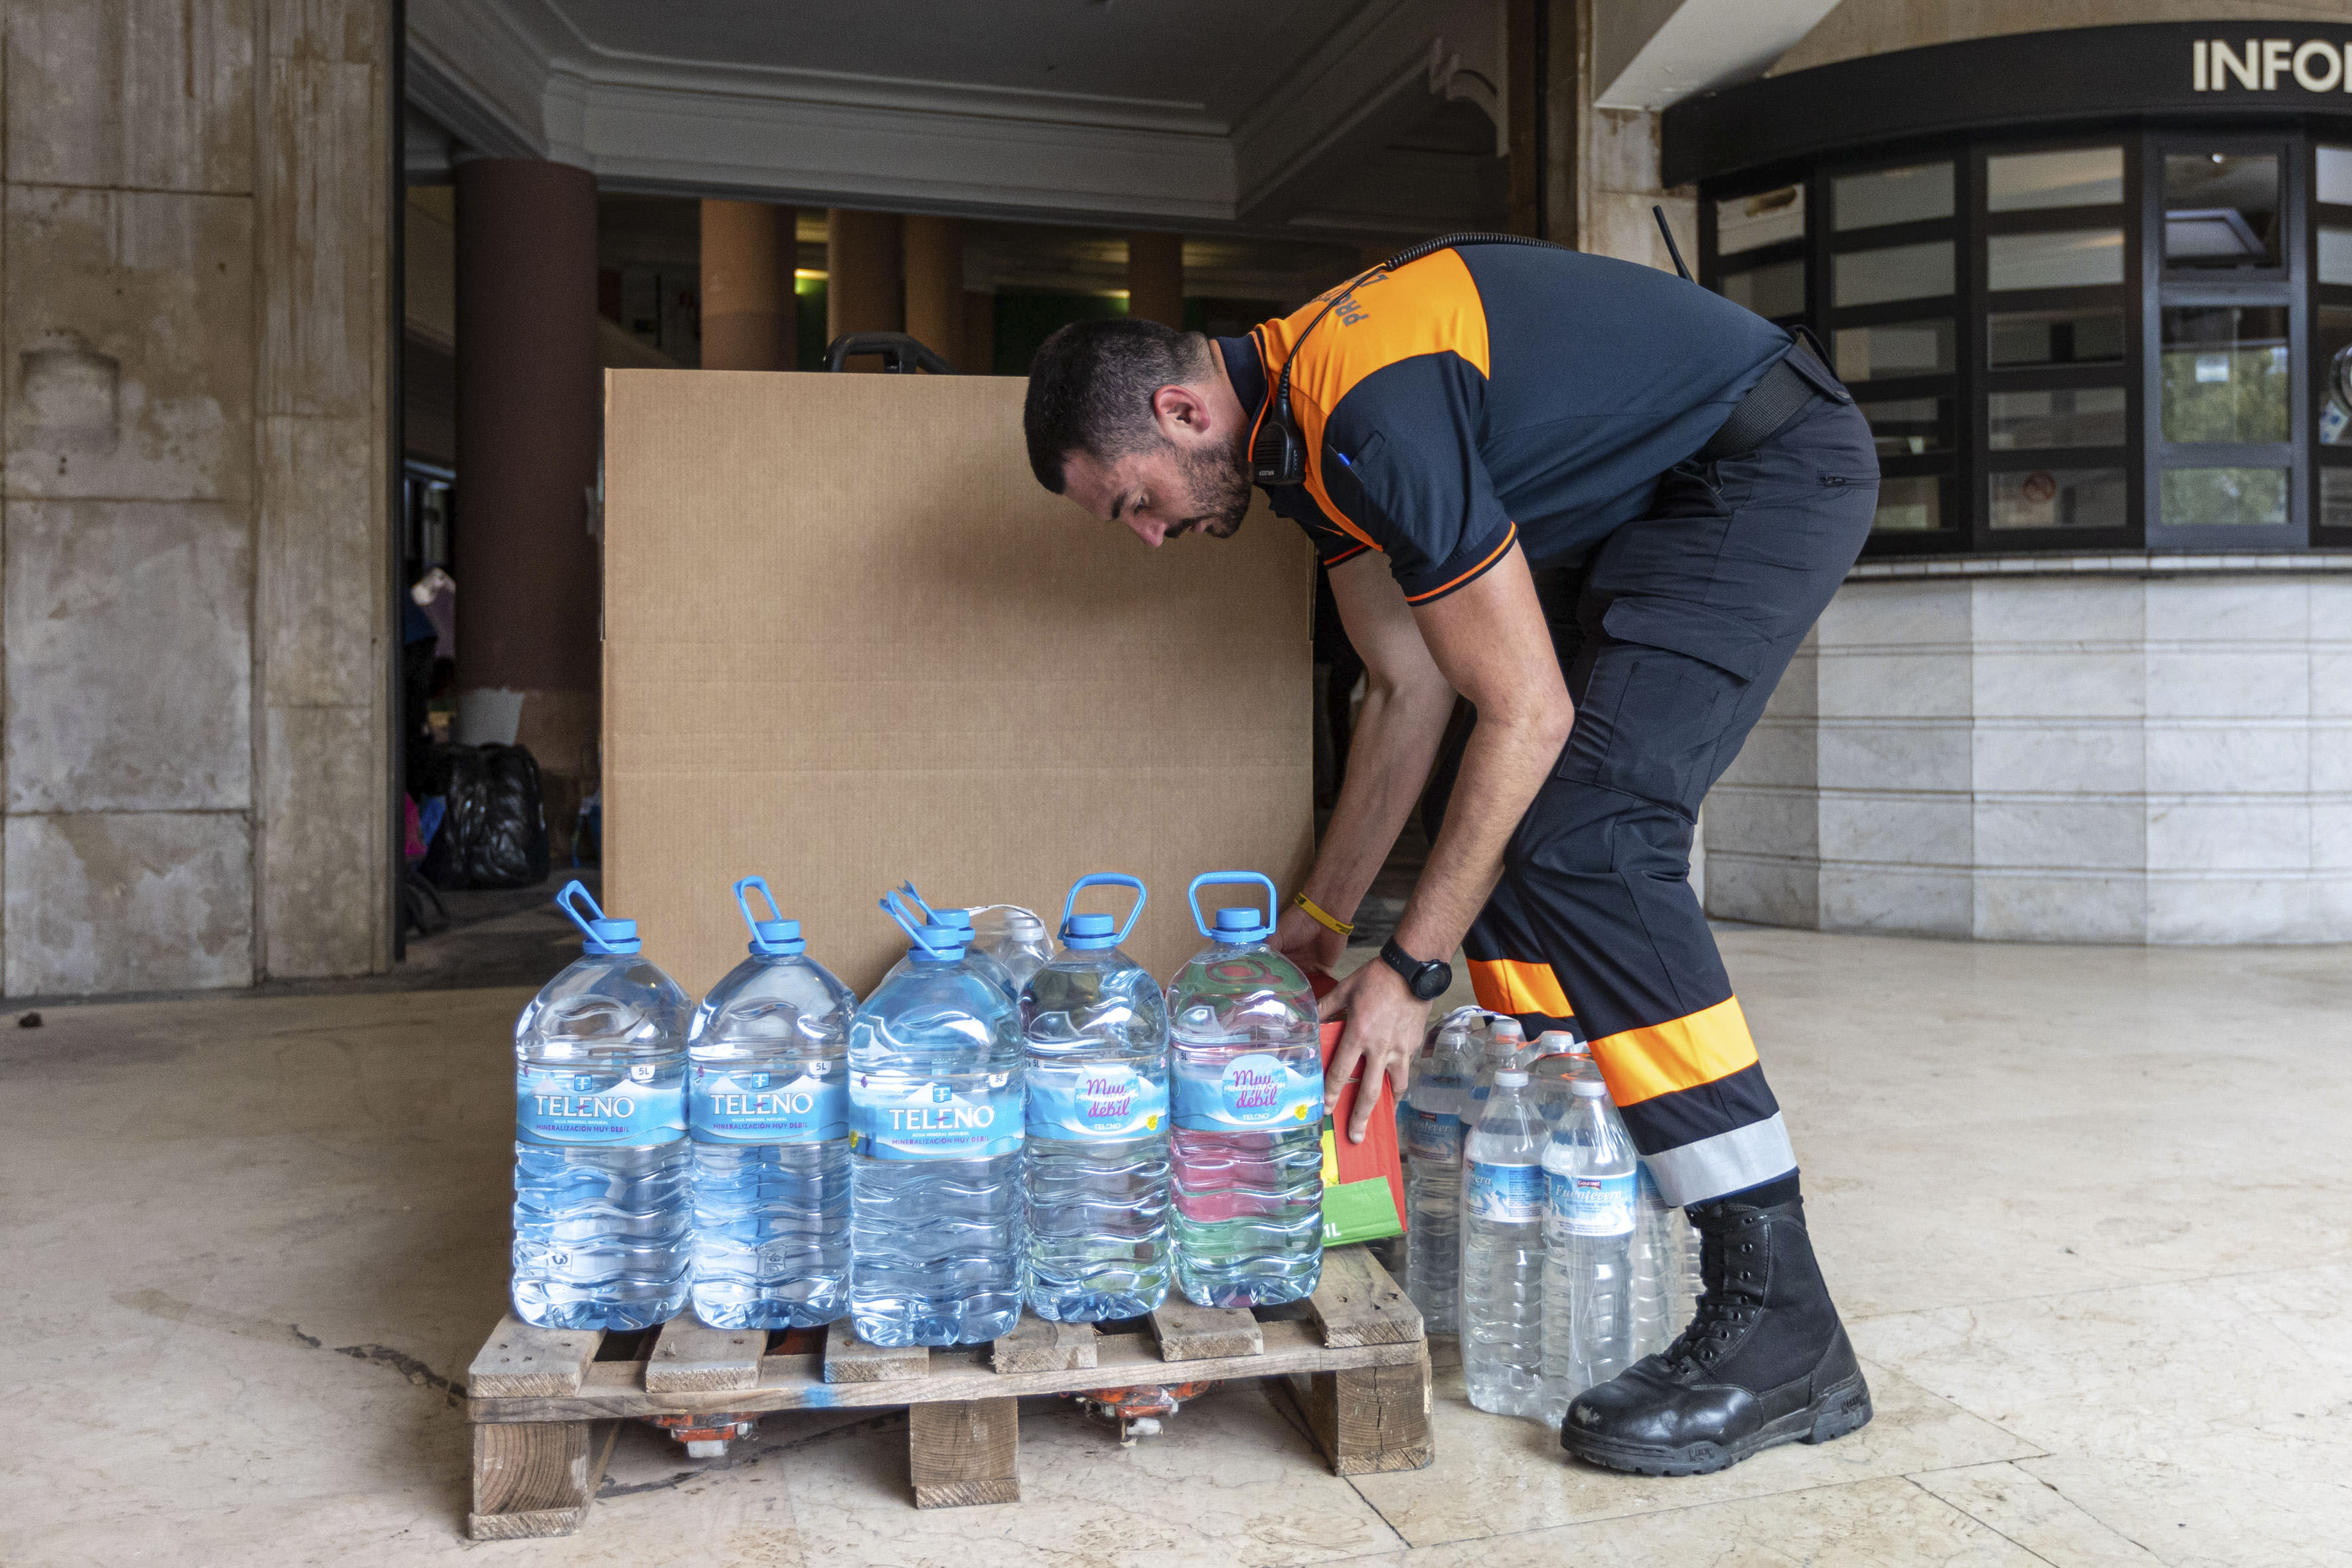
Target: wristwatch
pixel 1427 981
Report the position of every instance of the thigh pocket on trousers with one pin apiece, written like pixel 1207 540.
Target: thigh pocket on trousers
pixel 1668 681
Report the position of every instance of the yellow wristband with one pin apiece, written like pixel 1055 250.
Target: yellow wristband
pixel 1322 916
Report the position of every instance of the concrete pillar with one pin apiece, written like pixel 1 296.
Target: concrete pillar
pixel 979 332
pixel 529 395
pixel 748 252
pixel 1155 278
pixel 861 291
pixel 934 257
pixel 1550 45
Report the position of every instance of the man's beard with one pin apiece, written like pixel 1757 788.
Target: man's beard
pixel 1218 488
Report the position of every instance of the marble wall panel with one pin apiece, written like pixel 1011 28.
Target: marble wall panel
pixel 1756 821
pixel 153 95
pixel 2205 909
pixel 1909 830
pixel 2078 613
pixel 128 344
pixel 1899 615
pixel 2228 683
pixel 1918 902
pixel 1798 695
pixel 2050 757
pixel 1778 752
pixel 322 250
pixel 2331 757
pixel 2331 681
pixel 1767 890
pixel 2037 906
pixel 2203 609
pixel 1923 755
pixel 129 667
pixel 323 842
pixel 2062 834
pixel 2247 756
pixel 2041 683
pixel 321 555
pixel 1894 684
pixel 128 901
pixel 2241 835
pixel 2331 835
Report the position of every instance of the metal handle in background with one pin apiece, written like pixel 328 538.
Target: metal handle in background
pixel 1109 879
pixel 901 356
pixel 1212 878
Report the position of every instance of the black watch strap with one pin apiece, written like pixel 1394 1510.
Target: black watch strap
pixel 1426 979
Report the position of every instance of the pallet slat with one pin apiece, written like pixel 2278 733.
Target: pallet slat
pixel 1036 1345
pixel 691 1359
pixel 848 1359
pixel 1357 1304
pixel 519 1360
pixel 1370 1420
pixel 537 1480
pixel 1187 1332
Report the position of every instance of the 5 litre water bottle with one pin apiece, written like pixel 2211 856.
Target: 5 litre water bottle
pixel 1589 1234
pixel 935 1151
pixel 1248 1146
pixel 1433 1136
pixel 1094 1027
pixel 602 1205
pixel 1014 937
pixel 1503 1252
pixel 768 1107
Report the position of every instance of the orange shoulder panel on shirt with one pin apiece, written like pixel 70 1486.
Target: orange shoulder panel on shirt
pixel 1429 306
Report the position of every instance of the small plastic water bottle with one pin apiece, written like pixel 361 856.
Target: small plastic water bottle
pixel 768 1104
pixel 1248 1092
pixel 1589 1234
pixel 935 1124
pixel 1500 1041
pixel 603 1206
pixel 1503 1252
pixel 1659 1236
pixel 1433 1134
pixel 1560 1057
pixel 1093 1025
pixel 1014 937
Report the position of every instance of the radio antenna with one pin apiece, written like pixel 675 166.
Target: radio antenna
pixel 1672 248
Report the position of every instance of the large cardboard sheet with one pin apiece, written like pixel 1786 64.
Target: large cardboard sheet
pixel 848 640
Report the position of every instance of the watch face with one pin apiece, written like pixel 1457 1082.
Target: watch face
pixel 1431 982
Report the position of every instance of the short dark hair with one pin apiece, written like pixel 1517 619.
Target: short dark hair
pixel 1090 389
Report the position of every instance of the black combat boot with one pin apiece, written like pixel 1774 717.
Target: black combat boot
pixel 1764 1362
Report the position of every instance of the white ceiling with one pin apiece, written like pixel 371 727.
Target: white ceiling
pixel 1268 117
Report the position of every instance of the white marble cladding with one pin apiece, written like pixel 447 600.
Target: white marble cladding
pixel 2036 757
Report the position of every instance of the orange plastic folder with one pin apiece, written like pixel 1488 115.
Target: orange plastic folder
pixel 1363 1184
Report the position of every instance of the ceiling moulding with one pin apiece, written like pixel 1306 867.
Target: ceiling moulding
pixel 1371 81
pixel 1655 53
pixel 513 77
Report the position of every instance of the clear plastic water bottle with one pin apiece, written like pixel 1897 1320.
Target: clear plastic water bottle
pixel 1500 1041
pixel 768 1106
pixel 934 1151
pixel 1093 1025
pixel 976 956
pixel 1560 1058
pixel 1590 1164
pixel 1434 1133
pixel 1503 1252
pixel 603 1206
pixel 1014 937
pixel 1664 1296
pixel 1248 1089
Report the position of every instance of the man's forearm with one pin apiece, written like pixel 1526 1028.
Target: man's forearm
pixel 1396 739
pixel 1503 766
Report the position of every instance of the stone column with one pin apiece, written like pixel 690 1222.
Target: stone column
pixel 934 256
pixel 861 292
pixel 528 414
pixel 1155 278
pixel 748 320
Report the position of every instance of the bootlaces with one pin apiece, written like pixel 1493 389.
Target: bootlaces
pixel 1728 1263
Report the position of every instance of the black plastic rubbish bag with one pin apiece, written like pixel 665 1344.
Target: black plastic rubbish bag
pixel 495 835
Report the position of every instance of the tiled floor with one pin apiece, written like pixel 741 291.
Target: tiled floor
pixel 2086 1211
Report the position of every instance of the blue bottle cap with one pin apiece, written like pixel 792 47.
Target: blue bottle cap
pixel 606 936
pixel 1087 932
pixel 1243 925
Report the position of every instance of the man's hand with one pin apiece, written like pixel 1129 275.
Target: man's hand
pixel 1385 1024
pixel 1308 941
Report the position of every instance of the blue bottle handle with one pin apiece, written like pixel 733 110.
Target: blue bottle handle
pixel 1108 879
pixel 1211 878
pixel 743 890
pixel 894 907
pixel 909 889
pixel 576 890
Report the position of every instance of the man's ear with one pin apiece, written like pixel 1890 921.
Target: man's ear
pixel 1179 409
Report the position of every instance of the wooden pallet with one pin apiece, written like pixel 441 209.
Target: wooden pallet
pixel 547 1404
